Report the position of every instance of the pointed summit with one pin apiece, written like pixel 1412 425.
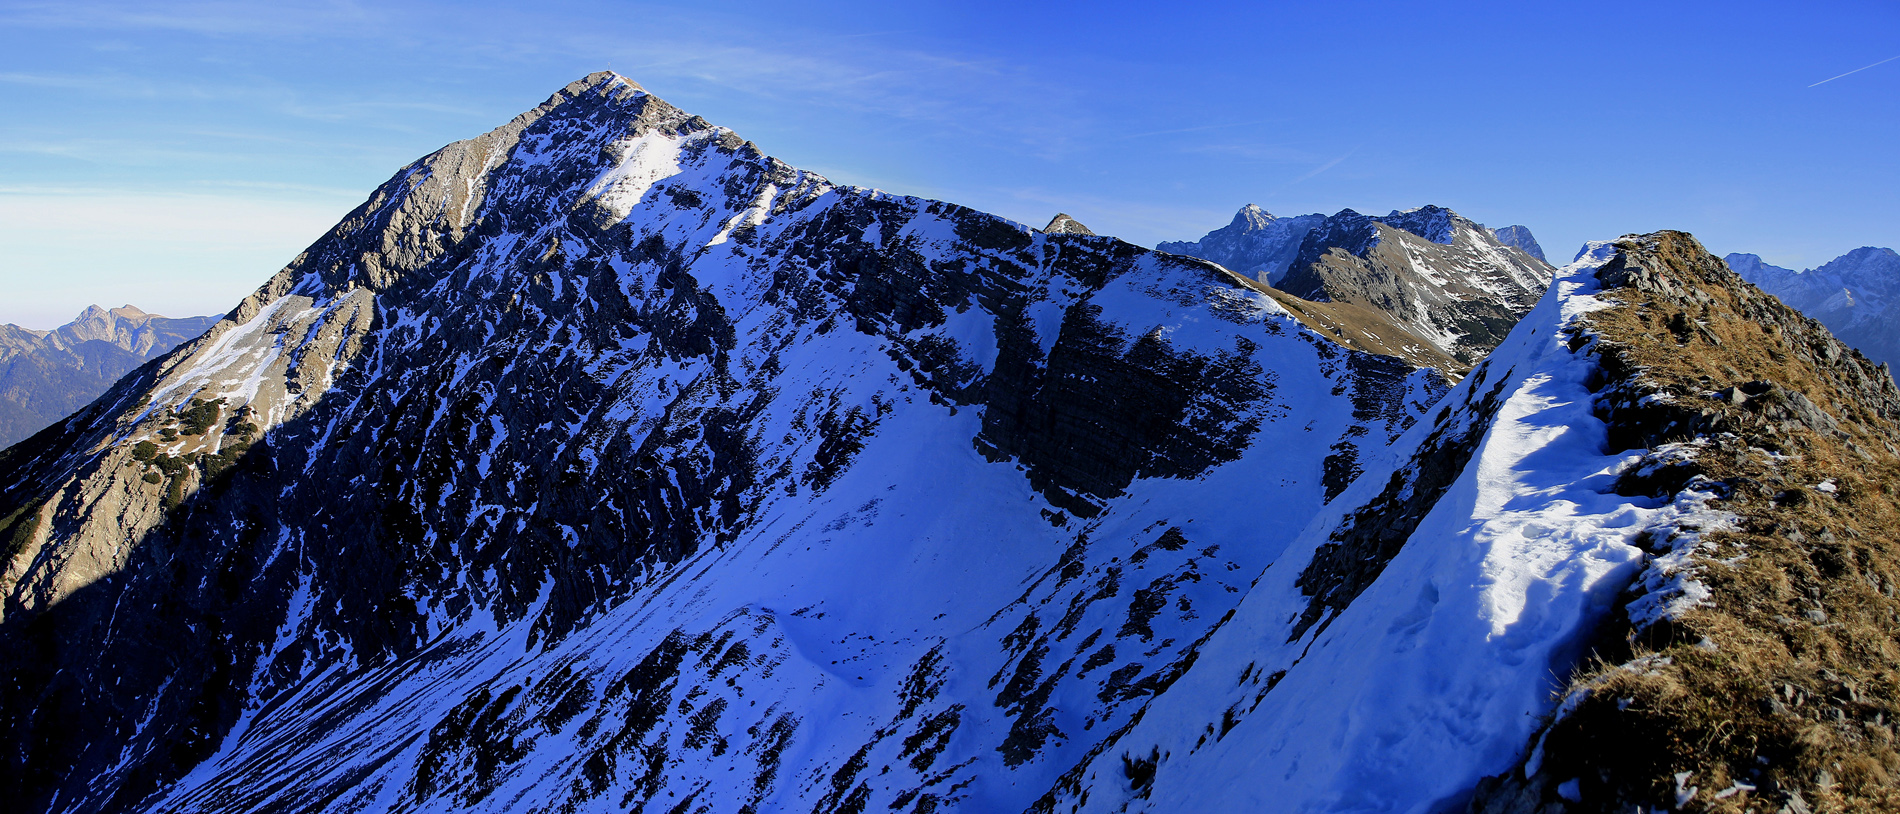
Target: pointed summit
pixel 1254 243
pixel 1251 217
pixel 1062 224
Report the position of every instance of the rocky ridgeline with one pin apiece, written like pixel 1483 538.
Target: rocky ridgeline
pixel 1751 665
pixel 603 461
pixel 1433 272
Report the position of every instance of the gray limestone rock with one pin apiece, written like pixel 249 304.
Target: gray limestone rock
pixel 1440 276
pixel 1519 237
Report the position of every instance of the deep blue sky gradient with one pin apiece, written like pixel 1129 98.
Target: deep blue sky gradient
pixel 174 155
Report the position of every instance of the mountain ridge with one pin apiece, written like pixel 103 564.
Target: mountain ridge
pixel 1438 288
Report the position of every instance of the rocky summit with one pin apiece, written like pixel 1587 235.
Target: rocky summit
pixel 605 463
pixel 47 375
pixel 1256 243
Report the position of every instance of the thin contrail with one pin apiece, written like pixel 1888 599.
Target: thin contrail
pixel 1857 70
pixel 1326 166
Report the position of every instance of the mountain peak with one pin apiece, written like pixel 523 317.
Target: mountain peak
pixel 1251 217
pixel 602 79
pixel 1062 224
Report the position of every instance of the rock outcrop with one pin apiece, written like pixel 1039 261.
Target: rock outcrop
pixel 1062 224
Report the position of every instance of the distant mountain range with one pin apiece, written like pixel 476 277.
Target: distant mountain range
pixel 46 375
pixel 1425 284
pixel 1856 295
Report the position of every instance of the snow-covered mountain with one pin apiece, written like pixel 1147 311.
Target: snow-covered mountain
pixel 1856 295
pixel 1255 244
pixel 1426 280
pixel 603 462
pixel 46 375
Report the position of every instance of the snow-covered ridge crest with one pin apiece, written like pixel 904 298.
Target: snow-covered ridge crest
pixel 1398 689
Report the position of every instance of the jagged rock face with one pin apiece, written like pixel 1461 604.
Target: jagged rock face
pixel 1432 272
pixel 1255 244
pixel 46 375
pixel 1856 295
pixel 1519 237
pixel 1062 224
pixel 603 462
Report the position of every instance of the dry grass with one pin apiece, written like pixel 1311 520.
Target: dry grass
pixel 1362 327
pixel 1788 680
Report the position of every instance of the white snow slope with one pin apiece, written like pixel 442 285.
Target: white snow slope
pixel 1436 675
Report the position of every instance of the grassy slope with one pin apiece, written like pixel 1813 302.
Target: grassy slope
pixel 1788 678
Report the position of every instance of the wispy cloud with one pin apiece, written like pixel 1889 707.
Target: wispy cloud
pixel 1324 167
pixel 207 18
pixel 1257 151
pixel 262 94
pixel 1856 70
pixel 1199 129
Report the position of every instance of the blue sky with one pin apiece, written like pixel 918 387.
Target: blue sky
pixel 175 155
